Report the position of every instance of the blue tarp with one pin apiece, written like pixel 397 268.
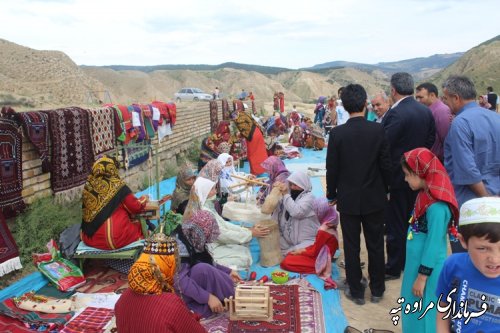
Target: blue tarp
pixel 334 316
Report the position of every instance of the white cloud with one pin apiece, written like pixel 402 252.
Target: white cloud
pixel 275 33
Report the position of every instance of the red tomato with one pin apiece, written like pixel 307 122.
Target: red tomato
pixel 253 276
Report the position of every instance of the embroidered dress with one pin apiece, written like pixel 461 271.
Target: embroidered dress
pixel 108 204
pixel 426 246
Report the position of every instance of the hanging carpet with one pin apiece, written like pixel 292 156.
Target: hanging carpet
pixel 102 130
pixel 136 153
pixel 214 118
pixel 36 127
pixel 11 170
pixel 72 156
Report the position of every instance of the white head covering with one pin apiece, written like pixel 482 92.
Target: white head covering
pixel 225 176
pixel 480 210
pixel 202 188
pixel 301 179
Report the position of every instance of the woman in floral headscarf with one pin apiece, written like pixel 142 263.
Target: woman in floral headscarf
pixel 202 283
pixel 277 172
pixel 183 184
pixel 107 207
pixel 150 304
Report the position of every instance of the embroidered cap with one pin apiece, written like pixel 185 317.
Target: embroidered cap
pixel 480 210
pixel 160 244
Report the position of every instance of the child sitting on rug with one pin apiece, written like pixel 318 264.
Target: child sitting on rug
pixel 303 260
pixel 473 278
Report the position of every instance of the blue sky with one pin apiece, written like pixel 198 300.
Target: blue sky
pixel 284 33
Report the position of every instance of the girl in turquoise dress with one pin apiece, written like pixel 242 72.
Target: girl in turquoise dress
pixel 435 213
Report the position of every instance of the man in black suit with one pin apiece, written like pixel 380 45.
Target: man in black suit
pixel 358 170
pixel 408 125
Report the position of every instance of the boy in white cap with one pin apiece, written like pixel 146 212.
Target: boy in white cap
pixel 469 284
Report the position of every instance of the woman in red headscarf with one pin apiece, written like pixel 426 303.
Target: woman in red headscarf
pixel 435 213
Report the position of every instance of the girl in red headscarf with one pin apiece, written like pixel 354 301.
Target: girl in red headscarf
pixel 435 213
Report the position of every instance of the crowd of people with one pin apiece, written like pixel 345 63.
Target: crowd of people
pixel 423 170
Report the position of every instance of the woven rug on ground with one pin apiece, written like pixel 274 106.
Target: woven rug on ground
pixel 104 280
pixel 11 170
pixel 102 130
pixel 72 156
pixel 11 325
pixel 91 320
pixel 34 319
pixel 311 312
pixel 214 117
pixel 9 254
pixel 286 313
pixel 36 127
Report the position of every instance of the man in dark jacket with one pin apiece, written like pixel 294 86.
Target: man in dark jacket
pixel 408 125
pixel 358 170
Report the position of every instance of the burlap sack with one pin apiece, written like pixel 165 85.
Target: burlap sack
pixel 271 201
pixel 270 252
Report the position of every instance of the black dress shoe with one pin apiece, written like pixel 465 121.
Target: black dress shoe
pixel 376 299
pixel 389 277
pixel 358 301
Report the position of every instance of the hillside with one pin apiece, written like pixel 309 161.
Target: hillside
pixel 420 68
pixel 481 64
pixel 33 78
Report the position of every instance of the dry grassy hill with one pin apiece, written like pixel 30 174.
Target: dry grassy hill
pixel 481 64
pixel 33 78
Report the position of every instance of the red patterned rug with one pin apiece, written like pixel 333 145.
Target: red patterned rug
pixel 226 113
pixel 311 317
pixel 102 130
pixel 286 314
pixel 11 170
pixel 36 127
pixel 11 325
pixel 72 156
pixel 214 117
pixel 104 280
pixel 9 254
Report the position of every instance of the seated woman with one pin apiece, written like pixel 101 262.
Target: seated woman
pixel 229 249
pixel 294 213
pixel 313 136
pixel 277 172
pixel 108 208
pixel 202 283
pixel 303 260
pixel 150 304
pixel 208 151
pixel 183 183
pixel 296 137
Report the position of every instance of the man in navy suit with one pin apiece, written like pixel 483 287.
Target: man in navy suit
pixel 408 125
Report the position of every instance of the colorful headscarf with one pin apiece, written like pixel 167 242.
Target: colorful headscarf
pixel 326 215
pixel 224 147
pixel 201 229
pixel 153 272
pixel 245 124
pixel 439 188
pixel 211 170
pixel 181 192
pixel 103 192
pixel 277 171
pixel 297 136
